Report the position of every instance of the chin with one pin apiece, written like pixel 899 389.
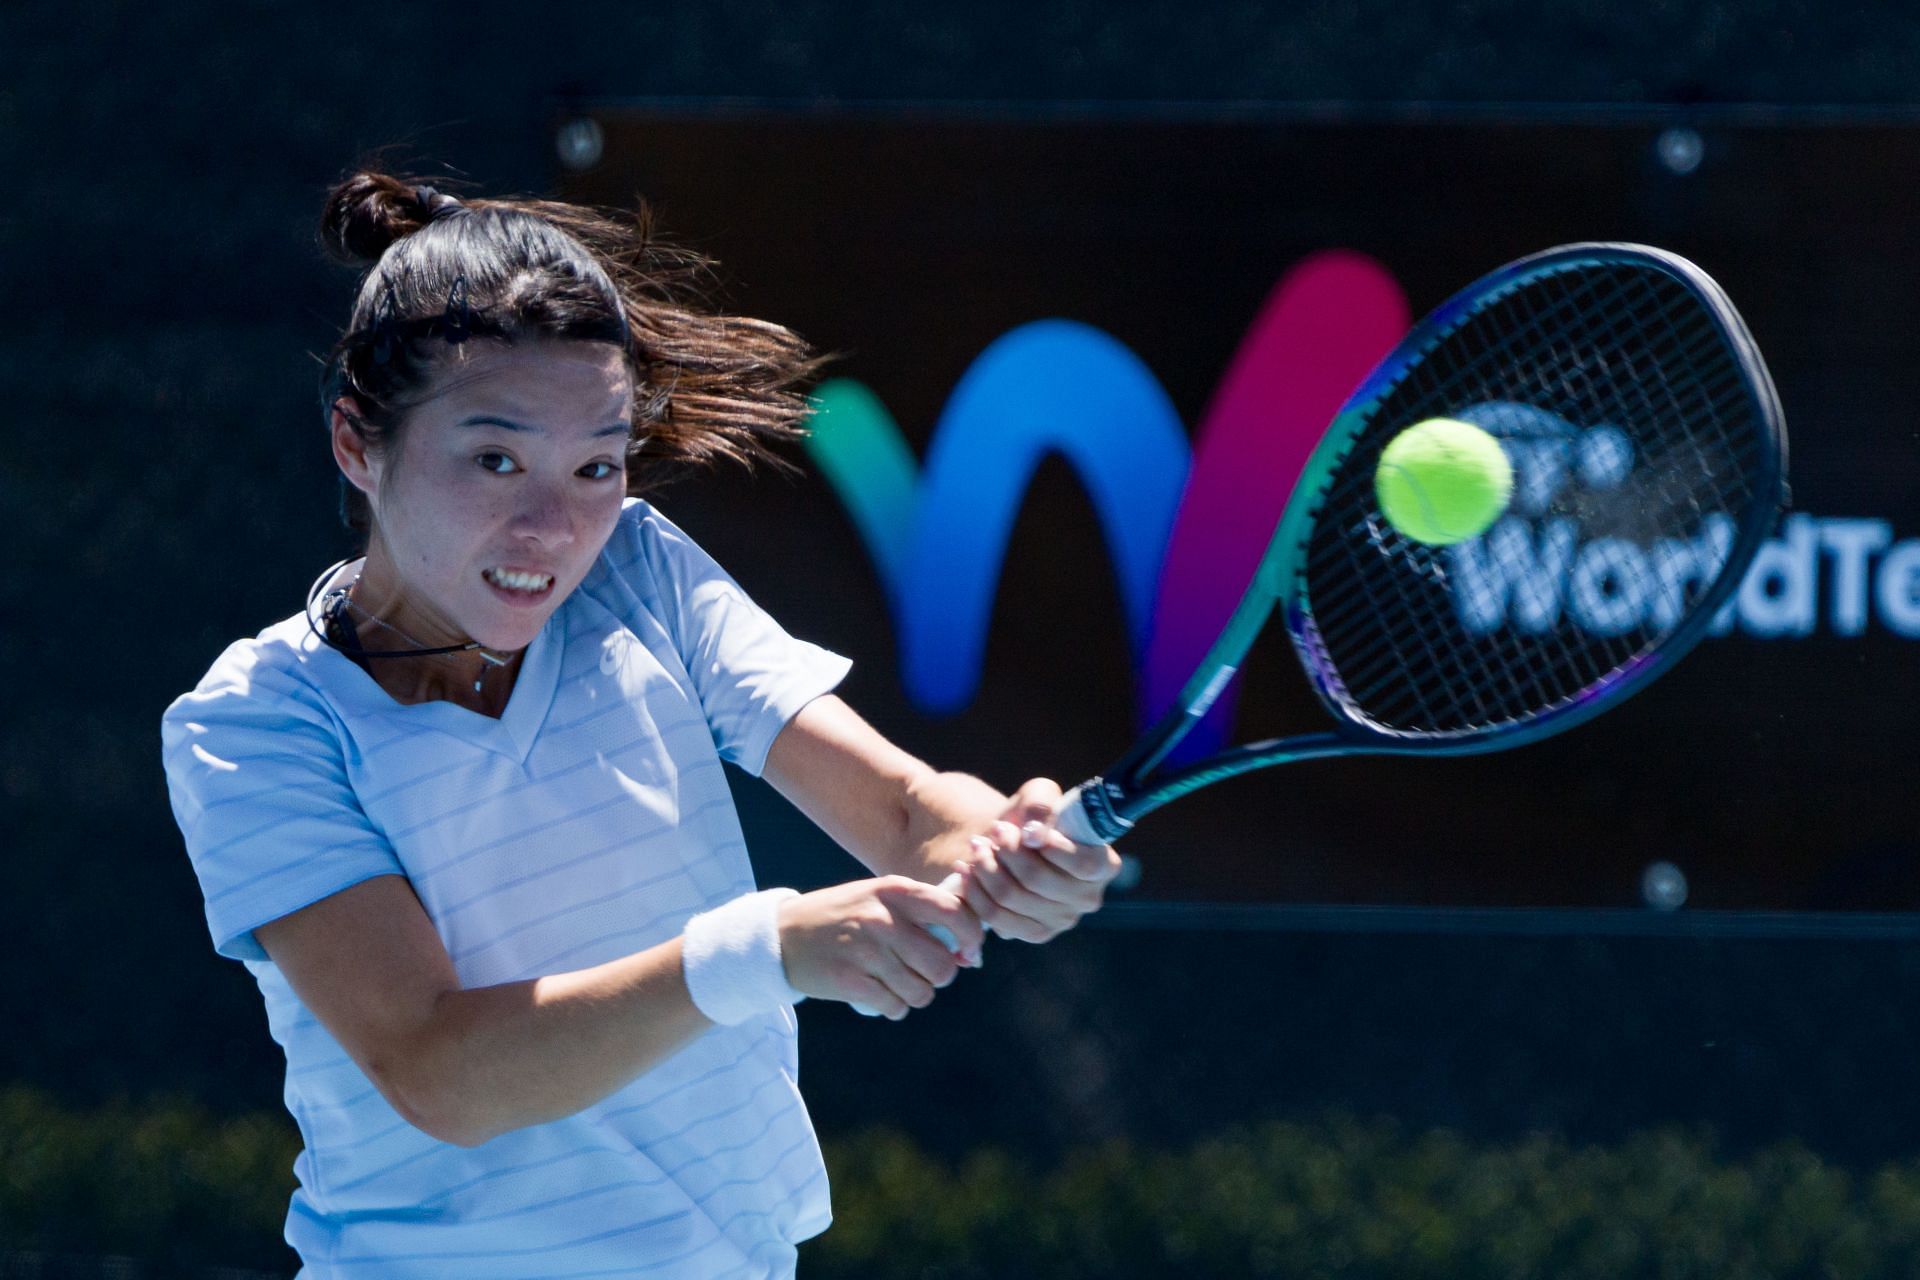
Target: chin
pixel 500 624
pixel 511 636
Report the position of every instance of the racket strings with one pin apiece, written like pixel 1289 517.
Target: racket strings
pixel 1635 436
pixel 1586 662
pixel 1579 384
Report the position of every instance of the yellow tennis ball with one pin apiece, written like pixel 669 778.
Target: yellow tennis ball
pixel 1443 481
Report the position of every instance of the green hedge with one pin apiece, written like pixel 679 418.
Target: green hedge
pixel 1341 1198
pixel 180 1189
pixel 167 1183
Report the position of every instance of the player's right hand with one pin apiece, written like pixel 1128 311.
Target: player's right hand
pixel 866 943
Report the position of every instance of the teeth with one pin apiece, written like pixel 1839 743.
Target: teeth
pixel 520 581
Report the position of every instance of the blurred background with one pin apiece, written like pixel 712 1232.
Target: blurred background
pixel 1632 1002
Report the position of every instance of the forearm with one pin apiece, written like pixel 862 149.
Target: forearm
pixel 498 1058
pixel 893 812
pixel 900 817
pixel 943 812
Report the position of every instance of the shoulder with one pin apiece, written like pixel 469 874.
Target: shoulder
pixel 648 554
pixel 272 667
pixel 644 528
pixel 263 683
pixel 259 775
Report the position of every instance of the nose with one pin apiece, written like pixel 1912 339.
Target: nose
pixel 544 516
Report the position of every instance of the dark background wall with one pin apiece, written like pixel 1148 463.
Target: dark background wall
pixel 167 489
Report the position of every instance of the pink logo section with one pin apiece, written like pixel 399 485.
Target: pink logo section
pixel 1324 327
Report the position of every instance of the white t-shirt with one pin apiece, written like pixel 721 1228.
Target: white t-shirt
pixel 591 820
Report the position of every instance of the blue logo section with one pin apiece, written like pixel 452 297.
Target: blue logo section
pixel 1052 386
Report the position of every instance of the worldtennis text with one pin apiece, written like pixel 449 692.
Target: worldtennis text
pixel 1843 573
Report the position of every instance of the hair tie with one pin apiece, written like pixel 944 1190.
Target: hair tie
pixel 435 202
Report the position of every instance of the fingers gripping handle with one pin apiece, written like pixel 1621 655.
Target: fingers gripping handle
pixel 952 885
pixel 1075 821
pixel 945 935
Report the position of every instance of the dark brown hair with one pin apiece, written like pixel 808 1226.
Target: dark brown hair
pixel 439 268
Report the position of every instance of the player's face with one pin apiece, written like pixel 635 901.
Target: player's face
pixel 507 483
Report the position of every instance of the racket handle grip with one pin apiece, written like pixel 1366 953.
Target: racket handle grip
pixel 1071 821
pixel 952 885
pixel 1077 824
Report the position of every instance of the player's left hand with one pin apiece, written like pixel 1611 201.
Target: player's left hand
pixel 1026 880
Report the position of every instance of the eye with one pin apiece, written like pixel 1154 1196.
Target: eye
pixel 600 470
pixel 493 460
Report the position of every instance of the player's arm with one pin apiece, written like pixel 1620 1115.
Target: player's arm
pixel 466 1064
pixel 900 816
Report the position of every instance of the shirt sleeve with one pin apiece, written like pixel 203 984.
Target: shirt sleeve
pixel 259 786
pixel 750 675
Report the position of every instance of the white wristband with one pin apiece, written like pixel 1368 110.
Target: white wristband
pixel 731 958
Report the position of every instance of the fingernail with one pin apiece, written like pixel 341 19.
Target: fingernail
pixel 981 845
pixel 1034 834
pixel 974 958
pixel 1006 832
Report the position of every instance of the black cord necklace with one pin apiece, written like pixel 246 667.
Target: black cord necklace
pixel 335 623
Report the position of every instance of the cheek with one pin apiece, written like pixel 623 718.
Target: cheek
pixel 436 516
pixel 596 526
pixel 606 509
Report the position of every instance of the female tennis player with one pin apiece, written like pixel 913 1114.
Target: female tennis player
pixel 464 817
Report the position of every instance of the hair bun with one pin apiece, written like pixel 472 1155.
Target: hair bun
pixel 370 210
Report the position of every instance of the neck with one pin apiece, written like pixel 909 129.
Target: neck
pixel 387 620
pixel 436 679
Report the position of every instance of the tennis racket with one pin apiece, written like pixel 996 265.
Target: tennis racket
pixel 1649 458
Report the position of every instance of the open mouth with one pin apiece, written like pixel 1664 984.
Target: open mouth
pixel 517 587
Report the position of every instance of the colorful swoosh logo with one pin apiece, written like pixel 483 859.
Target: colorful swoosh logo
pixel 1184 527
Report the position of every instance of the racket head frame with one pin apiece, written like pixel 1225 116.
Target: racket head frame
pixel 1104 807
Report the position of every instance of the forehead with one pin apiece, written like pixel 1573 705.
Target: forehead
pixel 534 378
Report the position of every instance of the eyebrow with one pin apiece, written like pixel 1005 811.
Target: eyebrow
pixel 488 420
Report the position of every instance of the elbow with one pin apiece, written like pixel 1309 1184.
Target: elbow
pixel 459 1137
pixel 424 1089
pixel 437 1112
pixel 457 1130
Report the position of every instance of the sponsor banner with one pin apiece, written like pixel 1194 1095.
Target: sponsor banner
pixel 1079 359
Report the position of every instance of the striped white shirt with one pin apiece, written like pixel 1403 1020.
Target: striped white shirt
pixel 591 820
